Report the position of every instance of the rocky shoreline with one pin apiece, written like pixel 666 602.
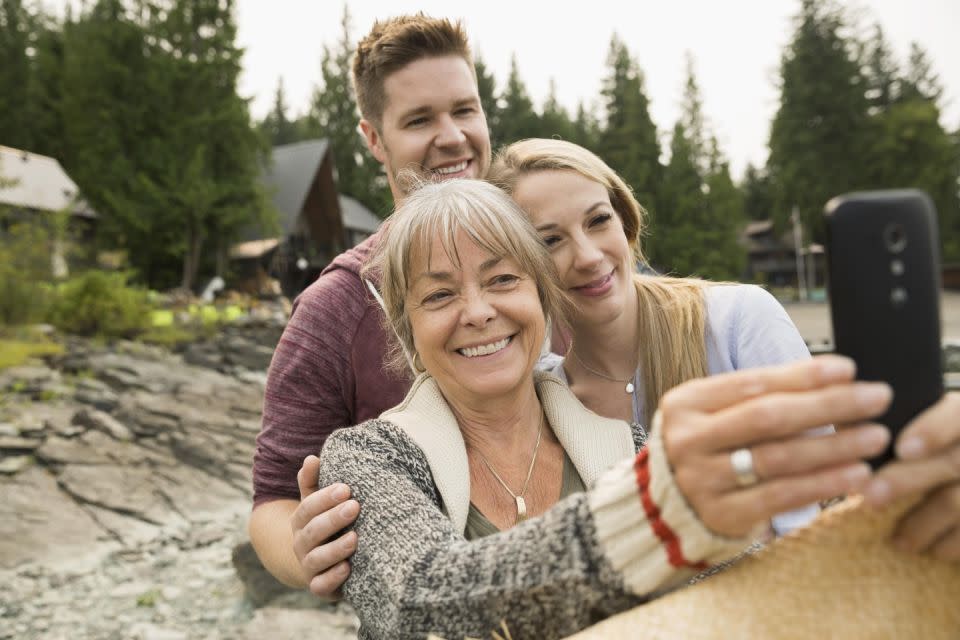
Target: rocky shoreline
pixel 125 489
pixel 124 495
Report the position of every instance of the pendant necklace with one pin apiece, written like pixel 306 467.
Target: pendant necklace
pixel 518 497
pixel 629 386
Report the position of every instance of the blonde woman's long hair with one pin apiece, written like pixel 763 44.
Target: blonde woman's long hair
pixel 671 318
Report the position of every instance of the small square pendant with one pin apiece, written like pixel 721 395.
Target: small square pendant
pixel 521 509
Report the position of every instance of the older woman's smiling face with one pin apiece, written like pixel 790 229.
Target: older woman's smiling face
pixel 477 326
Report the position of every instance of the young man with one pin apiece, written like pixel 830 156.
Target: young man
pixel 421 117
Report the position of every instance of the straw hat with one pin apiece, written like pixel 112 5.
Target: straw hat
pixel 837 578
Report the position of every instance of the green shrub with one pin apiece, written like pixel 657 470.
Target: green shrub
pixel 101 303
pixel 24 272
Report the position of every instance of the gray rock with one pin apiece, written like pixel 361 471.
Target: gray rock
pixel 260 587
pixel 12 465
pixel 95 419
pixel 38 522
pixel 8 430
pixel 203 355
pixel 276 622
pixel 128 491
pixel 60 450
pixel 96 393
pixel 150 631
pixel 17 444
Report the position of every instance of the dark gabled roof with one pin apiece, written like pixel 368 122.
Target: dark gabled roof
pixel 356 216
pixel 289 178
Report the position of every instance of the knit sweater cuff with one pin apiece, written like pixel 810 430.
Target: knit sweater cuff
pixel 646 529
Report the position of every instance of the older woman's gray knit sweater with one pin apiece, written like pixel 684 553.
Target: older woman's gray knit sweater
pixel 630 536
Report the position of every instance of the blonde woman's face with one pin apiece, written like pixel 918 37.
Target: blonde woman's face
pixel 585 237
pixel 477 327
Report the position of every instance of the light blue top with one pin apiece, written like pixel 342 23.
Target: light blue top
pixel 745 327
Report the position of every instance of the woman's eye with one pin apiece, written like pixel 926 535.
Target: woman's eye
pixel 550 241
pixel 600 219
pixel 436 297
pixel 505 279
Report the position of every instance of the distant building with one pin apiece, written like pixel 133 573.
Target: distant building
pixel 772 257
pixel 32 186
pixel 315 222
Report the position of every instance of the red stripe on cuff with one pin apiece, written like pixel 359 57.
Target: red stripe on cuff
pixel 660 528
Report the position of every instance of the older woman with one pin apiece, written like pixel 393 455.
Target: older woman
pixel 482 445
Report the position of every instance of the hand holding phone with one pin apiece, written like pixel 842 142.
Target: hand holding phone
pixel 883 259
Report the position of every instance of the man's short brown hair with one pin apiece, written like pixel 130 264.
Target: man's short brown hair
pixel 393 44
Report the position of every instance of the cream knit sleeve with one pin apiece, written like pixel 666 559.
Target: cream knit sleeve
pixel 646 529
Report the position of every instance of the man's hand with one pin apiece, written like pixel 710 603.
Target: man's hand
pixel 315 522
pixel 928 460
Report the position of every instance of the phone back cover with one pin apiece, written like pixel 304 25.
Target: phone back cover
pixel 891 337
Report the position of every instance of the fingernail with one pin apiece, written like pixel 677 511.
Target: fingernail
pixel 877 493
pixel 349 543
pixel 349 509
pixel 872 394
pixel 911 448
pixel 836 368
pixel 856 475
pixel 341 492
pixel 873 438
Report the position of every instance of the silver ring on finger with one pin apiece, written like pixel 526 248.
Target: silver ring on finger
pixel 741 461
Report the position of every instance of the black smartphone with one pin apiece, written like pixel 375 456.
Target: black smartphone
pixel 883 263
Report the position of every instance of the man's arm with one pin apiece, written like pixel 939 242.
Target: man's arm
pixel 308 389
pixel 295 539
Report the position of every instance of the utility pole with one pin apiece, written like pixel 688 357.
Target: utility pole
pixel 798 249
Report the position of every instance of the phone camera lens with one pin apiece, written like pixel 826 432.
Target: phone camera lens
pixel 898 296
pixel 895 237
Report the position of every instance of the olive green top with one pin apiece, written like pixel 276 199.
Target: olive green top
pixel 477 524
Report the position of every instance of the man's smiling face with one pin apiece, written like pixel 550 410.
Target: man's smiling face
pixel 432 124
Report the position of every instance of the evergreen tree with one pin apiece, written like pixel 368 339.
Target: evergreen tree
pixel 517 118
pixel 920 81
pixel 487 89
pixel 554 120
pixel 628 139
pixel 881 72
pixel 15 32
pixel 333 115
pixel 276 127
pixel 44 92
pixel 757 194
pixel 672 247
pixel 819 133
pixel 723 257
pixel 586 128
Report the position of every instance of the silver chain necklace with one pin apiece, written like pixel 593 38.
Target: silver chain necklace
pixel 521 504
pixel 629 388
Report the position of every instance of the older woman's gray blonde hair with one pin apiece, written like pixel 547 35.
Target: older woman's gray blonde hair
pixel 488 216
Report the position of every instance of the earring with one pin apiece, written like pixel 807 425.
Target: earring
pixel 418 366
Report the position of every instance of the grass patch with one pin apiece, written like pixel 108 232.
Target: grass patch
pixel 17 351
pixel 170 336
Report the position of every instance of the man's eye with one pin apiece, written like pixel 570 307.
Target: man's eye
pixel 416 122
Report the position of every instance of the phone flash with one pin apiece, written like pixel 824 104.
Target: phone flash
pixel 896 267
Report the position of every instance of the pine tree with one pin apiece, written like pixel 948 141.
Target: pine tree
pixel 554 120
pixel 628 139
pixel 276 126
pixel 881 72
pixel 487 89
pixel 517 118
pixel 586 128
pixel 333 115
pixel 920 81
pixel 819 133
pixel 757 194
pixel 723 257
pixel 15 32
